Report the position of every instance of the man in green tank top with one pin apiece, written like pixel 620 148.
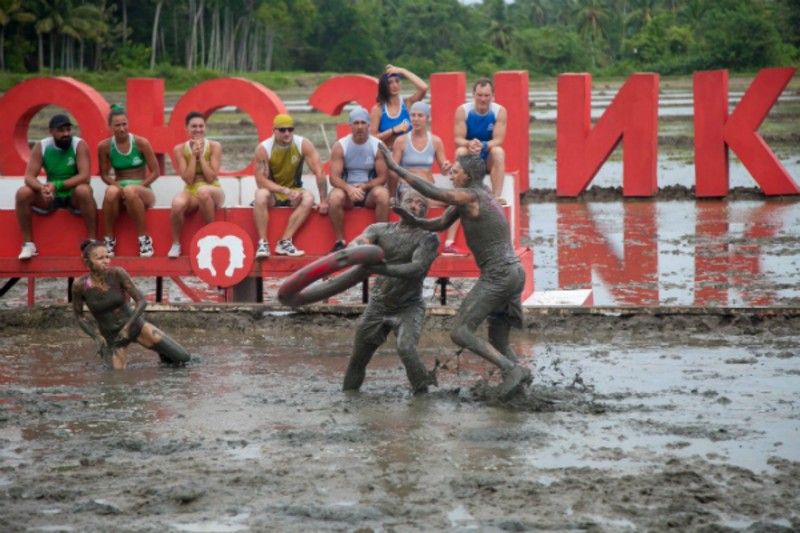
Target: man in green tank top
pixel 65 160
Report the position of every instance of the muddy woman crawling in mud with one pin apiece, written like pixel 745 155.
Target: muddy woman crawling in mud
pixel 106 291
pixel 497 293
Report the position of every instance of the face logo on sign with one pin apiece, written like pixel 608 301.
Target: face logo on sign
pixel 206 246
pixel 222 254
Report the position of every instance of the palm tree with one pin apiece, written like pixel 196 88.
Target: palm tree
pixel 591 18
pixel 11 10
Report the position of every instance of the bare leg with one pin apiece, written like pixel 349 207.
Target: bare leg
pixel 182 204
pixel 137 199
pixel 261 212
pixel 496 163
pixel 379 200
pixel 299 215
pixel 119 359
pixel 169 351
pixel 209 199
pixel 111 209
pixel 82 199
pixel 25 199
pixel 336 204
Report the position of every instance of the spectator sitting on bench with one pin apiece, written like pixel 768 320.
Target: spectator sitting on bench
pixel 358 175
pixel 65 159
pixel 198 161
pixel 135 168
pixel 279 177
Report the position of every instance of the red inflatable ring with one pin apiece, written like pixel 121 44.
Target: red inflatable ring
pixel 295 290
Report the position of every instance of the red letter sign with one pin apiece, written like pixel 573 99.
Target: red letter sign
pixel 714 132
pixel 24 100
pixel 581 150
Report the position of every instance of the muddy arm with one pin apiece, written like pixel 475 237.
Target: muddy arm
pixel 129 287
pixel 431 224
pixel 420 262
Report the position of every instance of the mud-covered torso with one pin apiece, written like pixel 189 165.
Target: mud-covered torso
pixel 399 242
pixel 108 305
pixel 488 235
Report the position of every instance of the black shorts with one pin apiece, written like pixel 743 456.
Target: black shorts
pixel 59 202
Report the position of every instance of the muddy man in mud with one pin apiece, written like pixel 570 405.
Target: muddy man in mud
pixel 106 291
pixel 497 293
pixel 396 302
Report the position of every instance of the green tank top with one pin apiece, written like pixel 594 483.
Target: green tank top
pixel 60 165
pixel 120 161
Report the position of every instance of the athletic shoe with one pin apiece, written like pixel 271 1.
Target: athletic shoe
pixel 340 245
pixel 452 249
pixel 285 247
pixel 110 243
pixel 28 251
pixel 145 246
pixel 263 249
pixel 174 251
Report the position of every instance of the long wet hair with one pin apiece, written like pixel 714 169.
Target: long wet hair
pixel 87 246
pixel 383 88
pixel 473 166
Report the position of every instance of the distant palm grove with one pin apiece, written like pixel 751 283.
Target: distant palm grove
pixel 543 36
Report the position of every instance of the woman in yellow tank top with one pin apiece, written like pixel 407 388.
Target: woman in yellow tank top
pixel 198 161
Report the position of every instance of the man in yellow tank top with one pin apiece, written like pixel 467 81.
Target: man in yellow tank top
pixel 279 177
pixel 198 161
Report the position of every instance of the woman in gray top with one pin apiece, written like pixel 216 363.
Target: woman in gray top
pixel 106 291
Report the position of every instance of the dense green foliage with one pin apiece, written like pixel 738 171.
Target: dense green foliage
pixel 542 36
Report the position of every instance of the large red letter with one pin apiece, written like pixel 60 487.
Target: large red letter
pixel 146 104
pixel 334 93
pixel 447 93
pixel 714 132
pixel 24 100
pixel 581 150
pixel 511 90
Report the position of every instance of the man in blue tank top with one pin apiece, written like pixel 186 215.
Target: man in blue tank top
pixel 480 129
pixel 358 176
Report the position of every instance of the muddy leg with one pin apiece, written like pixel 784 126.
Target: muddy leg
pixel 407 338
pixel 171 352
pixel 369 336
pixel 499 333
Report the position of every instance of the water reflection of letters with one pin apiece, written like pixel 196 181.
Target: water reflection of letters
pixel 642 253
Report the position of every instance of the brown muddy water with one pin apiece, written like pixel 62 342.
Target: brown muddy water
pixel 684 422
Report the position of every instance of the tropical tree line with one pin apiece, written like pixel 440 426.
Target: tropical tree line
pixel 542 36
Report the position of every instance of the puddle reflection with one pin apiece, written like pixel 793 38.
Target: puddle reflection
pixel 683 253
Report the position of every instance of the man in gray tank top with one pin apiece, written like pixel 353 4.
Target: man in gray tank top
pixel 498 291
pixel 358 176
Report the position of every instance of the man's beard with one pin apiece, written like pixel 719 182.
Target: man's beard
pixel 63 143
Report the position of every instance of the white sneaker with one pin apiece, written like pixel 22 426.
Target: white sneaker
pixel 263 249
pixel 174 251
pixel 285 247
pixel 28 251
pixel 145 246
pixel 110 243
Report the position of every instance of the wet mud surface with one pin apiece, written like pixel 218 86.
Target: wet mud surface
pixel 684 422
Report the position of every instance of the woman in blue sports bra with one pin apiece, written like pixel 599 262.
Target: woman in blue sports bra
pixel 389 117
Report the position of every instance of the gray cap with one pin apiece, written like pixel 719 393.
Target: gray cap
pixel 421 107
pixel 359 114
